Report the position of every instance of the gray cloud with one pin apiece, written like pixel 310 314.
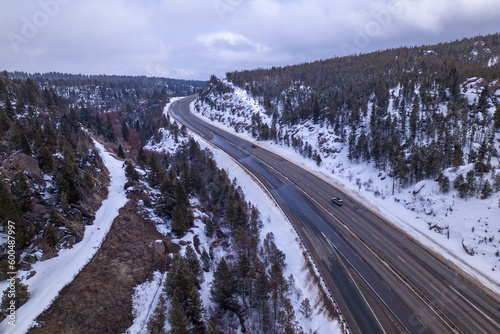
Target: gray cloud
pixel 195 38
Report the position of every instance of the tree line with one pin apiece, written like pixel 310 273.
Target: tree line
pixel 403 109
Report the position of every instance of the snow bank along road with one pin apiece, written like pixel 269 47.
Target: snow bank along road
pixel 54 274
pixel 382 279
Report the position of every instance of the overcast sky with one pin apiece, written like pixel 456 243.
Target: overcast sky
pixel 192 39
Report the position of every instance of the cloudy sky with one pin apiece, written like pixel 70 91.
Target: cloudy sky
pixel 192 39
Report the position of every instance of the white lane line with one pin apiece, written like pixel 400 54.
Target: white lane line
pixel 477 309
pixel 435 288
pixel 336 250
pixel 478 327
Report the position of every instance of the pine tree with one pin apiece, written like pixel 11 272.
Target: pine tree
pixel 32 92
pixel 21 190
pixel 9 110
pixel 141 158
pixel 181 284
pixel 10 211
pixel 194 308
pixel 49 235
pixel 156 323
pixel 458 156
pixel 224 288
pixel 470 180
pixel 186 177
pixel 209 228
pixel 67 179
pixel 55 218
pixel 177 318
pixel 444 183
pixel 131 173
pixel 317 158
pixel 286 319
pixel 206 263
pixel 461 186
pixel 19 139
pixel 183 202
pixel 486 190
pixel 154 175
pixel 121 153
pixel 5 123
pixel 166 204
pixel 353 153
pixel 271 253
pixel 260 300
pixel 21 296
pixel 109 131
pixel 211 329
pixel 44 157
pixel 244 276
pixel 291 284
pixel 305 308
pixel 178 223
pixel 125 131
pixel 193 264
pixel 277 288
pixel 496 118
pixel 414 117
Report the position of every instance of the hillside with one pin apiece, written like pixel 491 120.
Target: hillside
pixel 414 131
pixel 50 169
pixel 105 191
pixel 52 177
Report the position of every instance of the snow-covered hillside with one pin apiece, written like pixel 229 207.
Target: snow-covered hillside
pixel 302 285
pixel 464 230
pixel 46 279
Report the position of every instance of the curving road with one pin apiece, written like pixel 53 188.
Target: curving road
pixel 382 280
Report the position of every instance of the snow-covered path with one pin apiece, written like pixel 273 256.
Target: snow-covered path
pixel 52 275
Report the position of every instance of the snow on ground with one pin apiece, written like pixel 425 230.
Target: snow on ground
pixel 52 275
pixel 460 223
pixel 285 238
pixel 274 221
pixel 144 301
pixel 167 143
pixel 146 295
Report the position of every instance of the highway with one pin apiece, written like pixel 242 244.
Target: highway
pixel 382 280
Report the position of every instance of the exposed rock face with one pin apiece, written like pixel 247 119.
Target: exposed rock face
pixel 159 247
pixel 67 225
pixel 29 165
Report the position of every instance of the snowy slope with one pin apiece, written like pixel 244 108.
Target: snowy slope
pixel 52 275
pixel 167 142
pixel 443 222
pixel 287 240
pixel 144 301
pixel 146 296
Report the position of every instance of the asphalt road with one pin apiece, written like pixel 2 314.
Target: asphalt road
pixel 382 280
